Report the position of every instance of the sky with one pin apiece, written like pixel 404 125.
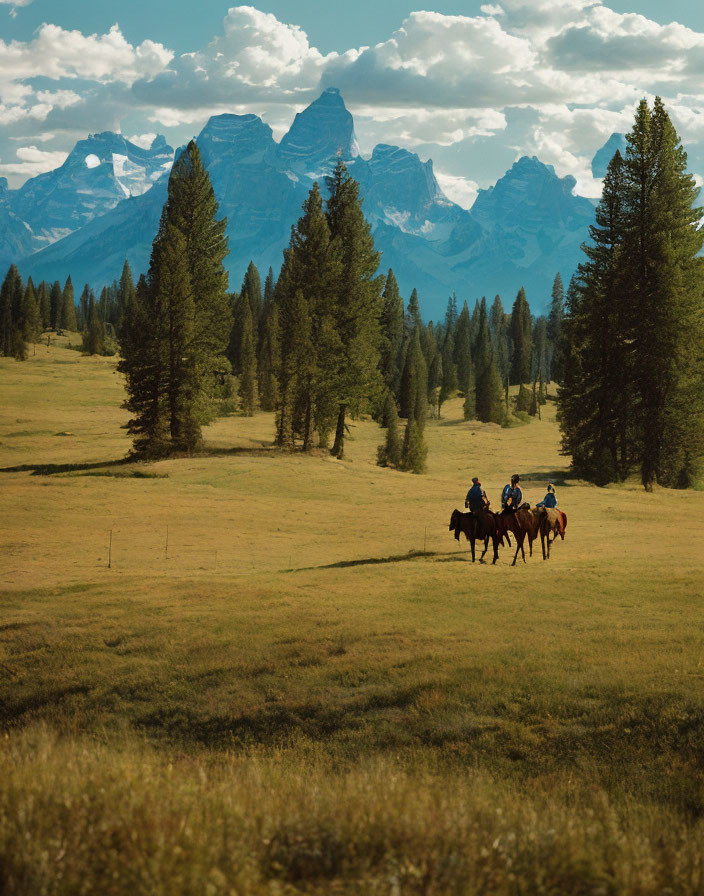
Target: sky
pixel 471 85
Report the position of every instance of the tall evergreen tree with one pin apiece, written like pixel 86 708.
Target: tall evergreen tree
pixel 554 330
pixel 390 453
pixel 414 382
pixel 309 376
pixel 521 337
pixel 359 302
pixel 662 249
pixel 489 399
pixel 31 318
pixel 596 359
pixel 56 304
pixel 94 335
pixel 270 361
pixel 12 324
pixel 449 370
pixel 173 364
pixel 463 348
pixel 68 310
pixel 392 323
pixel 248 360
pixel 44 303
pixel 451 314
pixel 83 305
pixel 126 296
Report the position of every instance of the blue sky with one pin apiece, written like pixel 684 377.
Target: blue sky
pixel 471 85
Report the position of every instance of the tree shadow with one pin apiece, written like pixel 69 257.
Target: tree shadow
pixel 557 477
pixel 53 469
pixel 374 561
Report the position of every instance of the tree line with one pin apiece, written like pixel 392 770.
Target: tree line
pixel 326 341
pixel 28 311
pixel 632 398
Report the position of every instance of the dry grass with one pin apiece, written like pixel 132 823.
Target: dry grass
pixel 299 699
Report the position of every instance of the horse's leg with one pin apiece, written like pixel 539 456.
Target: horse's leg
pixel 486 547
pixel 542 543
pixel 472 540
pixel 519 547
pixel 495 541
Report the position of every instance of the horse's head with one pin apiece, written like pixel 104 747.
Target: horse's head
pixel 456 523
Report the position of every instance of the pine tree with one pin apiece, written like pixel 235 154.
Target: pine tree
pixel 415 451
pixel 414 383
pixel 595 400
pixel 83 304
pixel 451 314
pixel 435 379
pixel 554 329
pixel 31 317
pixel 248 358
pixel 463 347
pixel 44 303
pixel 392 328
pixel 469 407
pixel 521 337
pixel 310 375
pixel 540 362
pixel 390 453
pixel 10 301
pixel 449 370
pixel 359 302
pixel 173 365
pixel 56 304
pixel 126 296
pixel 489 398
pixel 94 335
pixel 68 309
pixel 270 361
pixel 661 248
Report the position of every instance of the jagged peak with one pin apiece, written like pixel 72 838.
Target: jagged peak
pixel 323 130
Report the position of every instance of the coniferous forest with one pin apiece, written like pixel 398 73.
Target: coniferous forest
pixel 329 339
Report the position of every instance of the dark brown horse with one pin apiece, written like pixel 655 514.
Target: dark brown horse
pixel 477 527
pixel 523 523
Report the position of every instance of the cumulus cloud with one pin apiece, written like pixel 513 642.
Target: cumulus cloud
pixel 461 190
pixel 548 77
pixel 144 141
pixel 33 161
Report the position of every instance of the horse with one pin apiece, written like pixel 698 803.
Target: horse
pixel 477 527
pixel 554 522
pixel 524 522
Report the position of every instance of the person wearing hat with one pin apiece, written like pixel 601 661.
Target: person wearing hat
pixel 550 500
pixel 512 496
pixel 476 497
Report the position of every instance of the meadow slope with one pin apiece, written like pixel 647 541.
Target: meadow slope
pixel 292 678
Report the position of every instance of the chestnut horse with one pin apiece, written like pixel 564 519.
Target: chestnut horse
pixel 477 527
pixel 522 523
pixel 554 523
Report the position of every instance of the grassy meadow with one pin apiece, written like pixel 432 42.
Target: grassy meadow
pixel 285 676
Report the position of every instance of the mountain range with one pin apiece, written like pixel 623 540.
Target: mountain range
pixel 104 203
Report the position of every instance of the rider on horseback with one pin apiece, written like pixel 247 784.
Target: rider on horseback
pixel 512 496
pixel 476 500
pixel 550 500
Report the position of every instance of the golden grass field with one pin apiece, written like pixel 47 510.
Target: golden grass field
pixel 313 689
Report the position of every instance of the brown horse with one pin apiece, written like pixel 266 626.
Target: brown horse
pixel 477 527
pixel 522 523
pixel 554 523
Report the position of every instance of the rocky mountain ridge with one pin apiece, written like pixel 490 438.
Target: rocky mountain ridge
pixel 519 232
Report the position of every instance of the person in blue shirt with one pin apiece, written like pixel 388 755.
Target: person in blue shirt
pixel 512 496
pixel 550 500
pixel 476 497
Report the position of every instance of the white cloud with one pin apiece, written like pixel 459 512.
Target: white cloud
pixel 33 161
pixel 550 77
pixel 142 140
pixel 460 189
